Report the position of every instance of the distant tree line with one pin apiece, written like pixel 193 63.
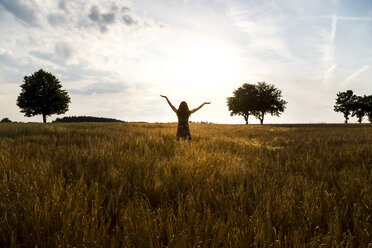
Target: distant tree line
pixel 352 105
pixel 85 119
pixel 5 120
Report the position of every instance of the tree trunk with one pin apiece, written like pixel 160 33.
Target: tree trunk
pixel 262 118
pixel 246 119
pixel 44 118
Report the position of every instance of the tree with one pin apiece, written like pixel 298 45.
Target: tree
pixel 243 102
pixel 42 94
pixel 5 120
pixel 268 101
pixel 345 102
pixel 359 108
pixel 257 100
pixel 368 107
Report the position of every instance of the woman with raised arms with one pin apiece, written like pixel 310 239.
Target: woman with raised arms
pixel 183 113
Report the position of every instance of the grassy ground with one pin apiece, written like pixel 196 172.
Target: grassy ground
pixel 134 185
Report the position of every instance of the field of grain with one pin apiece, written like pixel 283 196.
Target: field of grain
pixel 134 185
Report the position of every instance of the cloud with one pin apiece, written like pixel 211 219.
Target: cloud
pixel 329 47
pixel 94 14
pixel 100 88
pixel 10 61
pixel 62 5
pixel 25 14
pixel 262 25
pixel 356 73
pixel 329 73
pixel 128 20
pixel 354 18
pixel 110 17
pixel 79 15
pixel 71 72
pixel 62 52
pixel 125 9
pixel 334 28
pixel 56 19
pixel 344 18
pixel 14 68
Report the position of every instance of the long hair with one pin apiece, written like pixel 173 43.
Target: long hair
pixel 183 111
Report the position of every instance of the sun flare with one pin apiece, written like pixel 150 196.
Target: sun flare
pixel 204 63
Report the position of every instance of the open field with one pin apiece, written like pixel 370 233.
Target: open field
pixel 134 185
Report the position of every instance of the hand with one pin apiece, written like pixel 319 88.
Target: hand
pixel 164 96
pixel 207 103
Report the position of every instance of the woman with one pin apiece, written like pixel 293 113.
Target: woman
pixel 183 113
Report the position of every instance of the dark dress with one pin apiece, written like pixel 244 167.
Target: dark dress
pixel 183 131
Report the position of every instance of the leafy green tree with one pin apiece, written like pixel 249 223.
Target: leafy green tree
pixel 359 108
pixel 368 107
pixel 257 100
pixel 345 102
pixel 42 94
pixel 243 102
pixel 268 101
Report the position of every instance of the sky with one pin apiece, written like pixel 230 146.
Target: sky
pixel 116 57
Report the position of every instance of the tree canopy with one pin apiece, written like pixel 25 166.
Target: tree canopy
pixel 243 102
pixel 257 100
pixel 42 94
pixel 350 104
pixel 367 100
pixel 345 102
pixel 359 108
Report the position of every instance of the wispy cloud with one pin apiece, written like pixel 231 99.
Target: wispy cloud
pixel 100 88
pixel 344 18
pixel 329 51
pixel 262 24
pixel 329 47
pixel 334 28
pixel 22 11
pixel 347 81
pixel 328 74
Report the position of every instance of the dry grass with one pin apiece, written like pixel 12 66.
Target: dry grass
pixel 133 185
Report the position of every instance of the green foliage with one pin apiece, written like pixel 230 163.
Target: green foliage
pixel 42 94
pixel 257 100
pixel 243 102
pixel 359 107
pixel 133 185
pixel 268 100
pixel 5 120
pixel 345 102
pixel 367 100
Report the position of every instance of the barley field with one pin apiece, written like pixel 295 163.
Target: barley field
pixel 134 185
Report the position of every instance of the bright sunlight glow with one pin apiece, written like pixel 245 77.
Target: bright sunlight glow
pixel 203 63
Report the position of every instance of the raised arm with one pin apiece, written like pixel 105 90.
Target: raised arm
pixel 170 104
pixel 196 109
